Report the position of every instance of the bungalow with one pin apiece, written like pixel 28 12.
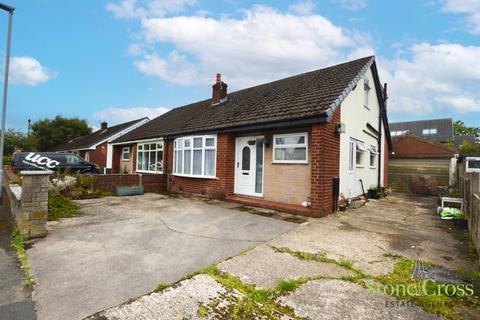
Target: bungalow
pixel 291 144
pixel 95 146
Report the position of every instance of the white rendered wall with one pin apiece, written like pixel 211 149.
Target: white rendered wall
pixel 355 117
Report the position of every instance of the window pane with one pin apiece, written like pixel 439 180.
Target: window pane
pixel 159 164
pixel 146 146
pixel 210 142
pixel 187 162
pixel 259 167
pixel 145 161
pixel 197 162
pixel 246 158
pixel 180 144
pixel 153 146
pixel 298 154
pixel 180 161
pixel 175 162
pixel 209 162
pixel 197 142
pixel 290 140
pixel 359 156
pixel 188 143
pixel 140 147
pixel 140 159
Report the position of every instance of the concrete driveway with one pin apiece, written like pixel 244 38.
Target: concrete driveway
pixel 118 248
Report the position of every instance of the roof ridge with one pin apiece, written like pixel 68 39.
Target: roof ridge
pixel 421 139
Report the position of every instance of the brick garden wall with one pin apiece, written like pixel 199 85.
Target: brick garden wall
pixel 150 182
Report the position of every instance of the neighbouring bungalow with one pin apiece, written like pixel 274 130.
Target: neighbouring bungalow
pixel 283 144
pixel 420 165
pixel 437 130
pixel 95 146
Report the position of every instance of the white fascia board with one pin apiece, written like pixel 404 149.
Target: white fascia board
pixel 137 141
pixel 121 133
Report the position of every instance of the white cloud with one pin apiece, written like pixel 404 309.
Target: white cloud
pixel 353 5
pixel 470 8
pixel 303 8
pixel 442 77
pixel 119 115
pixel 28 71
pixel 129 9
pixel 262 45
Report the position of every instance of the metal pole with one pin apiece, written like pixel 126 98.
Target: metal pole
pixel 5 91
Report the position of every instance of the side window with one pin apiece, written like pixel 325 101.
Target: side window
pixel 72 159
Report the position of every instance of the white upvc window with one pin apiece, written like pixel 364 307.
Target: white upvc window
pixel 398 133
pixel 195 156
pixel 125 153
pixel 429 131
pixel 366 93
pixel 150 157
pixel 359 154
pixel 290 148
pixel 373 157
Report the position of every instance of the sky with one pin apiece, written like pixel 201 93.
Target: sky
pixel 119 60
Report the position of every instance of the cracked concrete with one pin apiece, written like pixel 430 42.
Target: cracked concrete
pixel 117 248
pixel 339 300
pixel 264 267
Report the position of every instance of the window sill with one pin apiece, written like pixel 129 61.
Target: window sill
pixel 195 177
pixel 125 160
pixel 150 172
pixel 289 162
pixel 373 167
pixel 359 166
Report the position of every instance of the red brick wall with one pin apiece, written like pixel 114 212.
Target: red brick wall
pixel 214 188
pixel 99 155
pixel 325 154
pixel 412 147
pixel 150 182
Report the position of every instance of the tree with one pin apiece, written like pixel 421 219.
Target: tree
pixel 468 149
pixel 459 128
pixel 52 132
pixel 16 140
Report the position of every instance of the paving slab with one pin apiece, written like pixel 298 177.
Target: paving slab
pixel 264 267
pixel 179 302
pixel 335 299
pixel 122 247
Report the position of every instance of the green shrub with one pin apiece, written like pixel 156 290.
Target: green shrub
pixel 60 206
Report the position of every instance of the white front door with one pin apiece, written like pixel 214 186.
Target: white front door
pixel 249 166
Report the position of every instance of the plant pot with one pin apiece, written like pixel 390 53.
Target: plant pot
pixel 372 194
pixel 129 191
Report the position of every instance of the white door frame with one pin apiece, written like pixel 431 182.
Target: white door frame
pixel 253 165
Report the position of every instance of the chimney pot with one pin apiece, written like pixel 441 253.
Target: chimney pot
pixel 219 90
pixel 104 125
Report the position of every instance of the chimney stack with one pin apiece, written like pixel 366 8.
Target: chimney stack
pixel 219 92
pixel 104 125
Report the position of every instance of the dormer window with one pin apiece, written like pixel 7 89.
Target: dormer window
pixel 430 131
pixel 366 92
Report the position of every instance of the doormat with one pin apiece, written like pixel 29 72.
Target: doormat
pixel 422 271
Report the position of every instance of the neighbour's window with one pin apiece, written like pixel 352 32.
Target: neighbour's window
pixel 366 92
pixel 195 156
pixel 290 148
pixel 373 156
pixel 87 155
pixel 126 153
pixel 150 157
pixel 429 131
pixel 359 153
pixel 398 133
pixel 351 156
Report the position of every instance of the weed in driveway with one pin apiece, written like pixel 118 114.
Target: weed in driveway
pixel 18 244
pixel 161 286
pixel 60 206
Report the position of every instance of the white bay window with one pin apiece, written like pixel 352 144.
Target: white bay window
pixel 150 157
pixel 195 156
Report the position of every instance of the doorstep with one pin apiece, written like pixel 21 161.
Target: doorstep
pixel 280 206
